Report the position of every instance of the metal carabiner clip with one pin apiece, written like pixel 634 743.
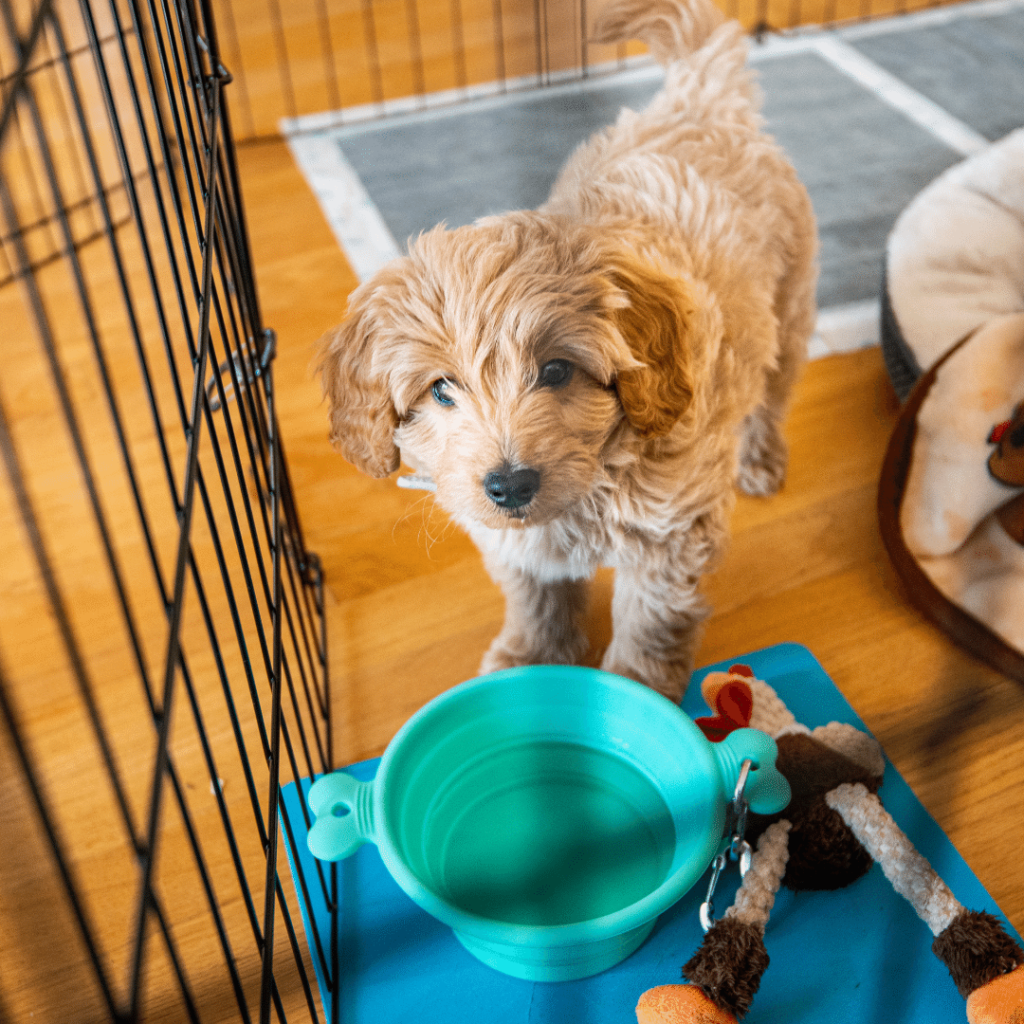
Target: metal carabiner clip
pixel 738 850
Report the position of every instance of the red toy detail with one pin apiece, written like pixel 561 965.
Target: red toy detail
pixel 734 704
pixel 998 432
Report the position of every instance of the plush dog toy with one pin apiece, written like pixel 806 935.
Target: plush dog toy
pixel 830 834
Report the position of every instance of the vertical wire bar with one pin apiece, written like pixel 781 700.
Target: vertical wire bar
pixel 234 229
pixel 584 41
pixel 302 886
pixel 308 586
pixel 283 65
pixel 298 593
pixel 325 673
pixel 227 7
pixel 412 21
pixel 540 55
pixel 327 52
pixel 173 657
pixel 546 41
pixel 270 892
pixel 293 942
pixel 373 51
pixel 497 19
pixel 458 44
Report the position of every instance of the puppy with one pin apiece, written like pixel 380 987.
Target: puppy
pixel 586 382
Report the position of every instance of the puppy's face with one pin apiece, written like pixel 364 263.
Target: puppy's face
pixel 515 437
pixel 501 359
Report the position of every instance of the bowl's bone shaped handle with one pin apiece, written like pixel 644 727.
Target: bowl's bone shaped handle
pixel 343 807
pixel 767 790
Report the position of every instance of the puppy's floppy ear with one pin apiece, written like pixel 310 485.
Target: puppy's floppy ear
pixel 363 417
pixel 655 325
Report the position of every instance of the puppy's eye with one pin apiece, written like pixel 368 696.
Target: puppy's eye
pixel 443 391
pixel 556 374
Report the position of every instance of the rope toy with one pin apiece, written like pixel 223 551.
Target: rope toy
pixel 833 830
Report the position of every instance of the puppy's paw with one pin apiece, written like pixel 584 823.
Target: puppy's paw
pixel 670 679
pixel 499 657
pixel 763 458
pixel 511 652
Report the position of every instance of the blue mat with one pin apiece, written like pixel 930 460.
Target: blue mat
pixel 856 956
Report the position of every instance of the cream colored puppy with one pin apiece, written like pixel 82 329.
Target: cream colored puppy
pixel 585 382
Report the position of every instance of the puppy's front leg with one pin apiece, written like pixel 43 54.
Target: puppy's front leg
pixel 657 611
pixel 544 621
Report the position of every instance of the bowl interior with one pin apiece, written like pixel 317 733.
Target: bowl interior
pixel 550 796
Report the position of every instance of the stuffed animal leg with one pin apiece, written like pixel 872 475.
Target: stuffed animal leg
pixel 983 961
pixel 832 831
pixel 726 971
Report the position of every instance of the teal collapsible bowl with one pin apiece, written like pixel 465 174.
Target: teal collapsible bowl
pixel 547 814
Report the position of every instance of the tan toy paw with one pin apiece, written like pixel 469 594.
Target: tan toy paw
pixel 679 1004
pixel 1000 1001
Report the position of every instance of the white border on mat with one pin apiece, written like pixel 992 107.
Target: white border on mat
pixel 353 216
pixel 949 130
pixel 846 328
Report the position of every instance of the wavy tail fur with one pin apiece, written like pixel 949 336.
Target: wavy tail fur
pixel 672 29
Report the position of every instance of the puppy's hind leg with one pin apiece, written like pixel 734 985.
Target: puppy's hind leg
pixel 764 453
pixel 544 622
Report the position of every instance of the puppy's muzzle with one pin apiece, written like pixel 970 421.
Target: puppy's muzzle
pixel 512 488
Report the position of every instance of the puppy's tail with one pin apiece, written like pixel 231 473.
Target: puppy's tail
pixel 672 29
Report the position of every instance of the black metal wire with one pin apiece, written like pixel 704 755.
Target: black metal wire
pixel 189 302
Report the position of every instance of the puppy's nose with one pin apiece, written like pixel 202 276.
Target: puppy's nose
pixel 511 488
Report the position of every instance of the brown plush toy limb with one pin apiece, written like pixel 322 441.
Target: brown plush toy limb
pixel 832 831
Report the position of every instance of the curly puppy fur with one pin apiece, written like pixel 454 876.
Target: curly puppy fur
pixel 586 382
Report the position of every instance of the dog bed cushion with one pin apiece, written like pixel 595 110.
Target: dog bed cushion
pixel 954 259
pixel 953 336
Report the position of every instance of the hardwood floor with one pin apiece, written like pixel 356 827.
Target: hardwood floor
pixel 409 607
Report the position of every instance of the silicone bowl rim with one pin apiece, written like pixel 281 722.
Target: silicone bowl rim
pixel 675 885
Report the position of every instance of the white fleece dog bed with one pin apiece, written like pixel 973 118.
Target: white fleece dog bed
pixel 950 507
pixel 954 259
